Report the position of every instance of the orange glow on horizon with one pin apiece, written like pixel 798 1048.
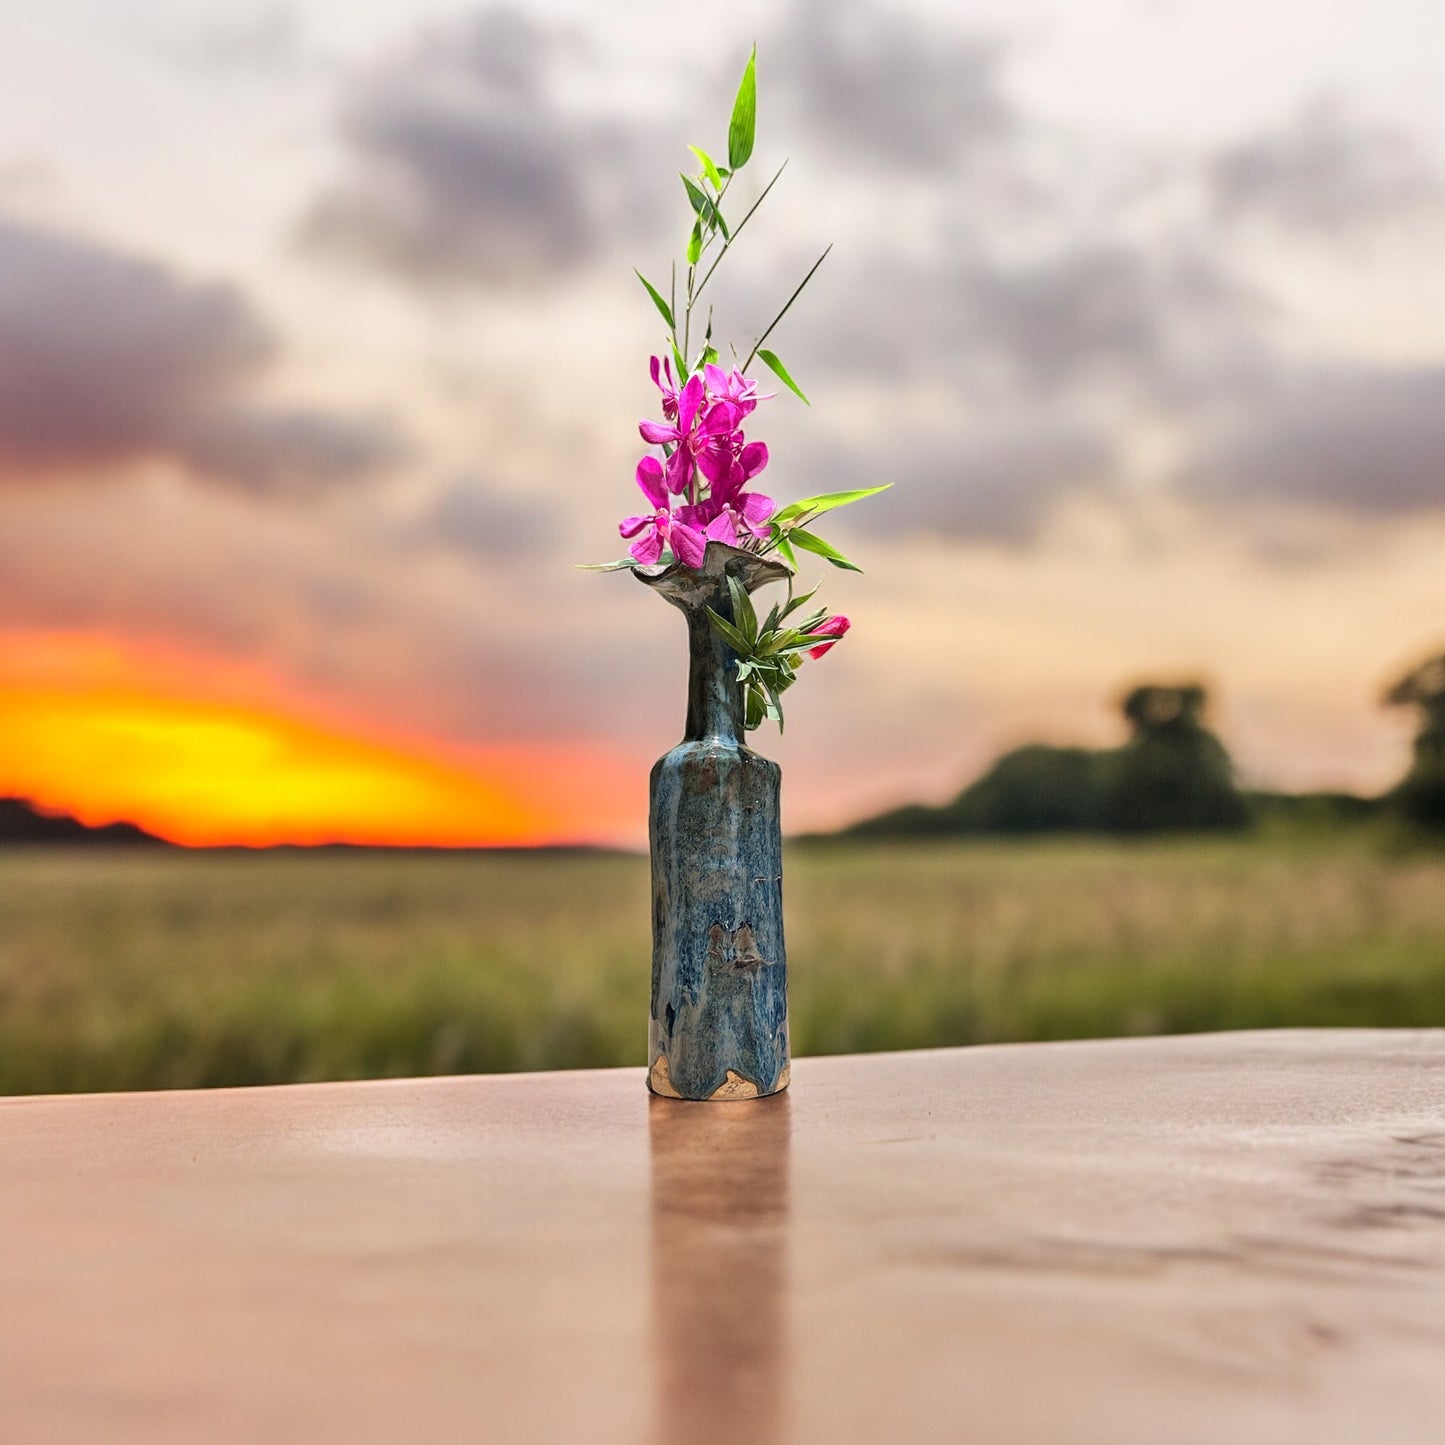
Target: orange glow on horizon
pixel 204 754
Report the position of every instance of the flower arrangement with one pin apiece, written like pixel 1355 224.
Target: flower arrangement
pixel 701 484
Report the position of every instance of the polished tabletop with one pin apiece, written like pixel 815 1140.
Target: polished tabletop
pixel 1232 1238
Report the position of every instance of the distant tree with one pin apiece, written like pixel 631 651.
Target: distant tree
pixel 1420 795
pixel 1035 789
pixel 1173 773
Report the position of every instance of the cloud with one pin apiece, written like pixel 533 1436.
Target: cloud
pixel 1370 442
pixel 106 359
pixel 994 483
pixel 470 518
pixel 1324 173
pixel 263 39
pixel 874 83
pixel 466 167
pixel 1156 321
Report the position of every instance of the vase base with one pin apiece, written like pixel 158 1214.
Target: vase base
pixel 733 1087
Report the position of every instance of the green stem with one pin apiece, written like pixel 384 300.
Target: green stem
pixel 737 230
pixel 786 305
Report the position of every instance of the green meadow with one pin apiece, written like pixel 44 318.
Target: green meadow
pixel 133 969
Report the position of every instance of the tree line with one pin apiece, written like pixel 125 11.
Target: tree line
pixel 1173 774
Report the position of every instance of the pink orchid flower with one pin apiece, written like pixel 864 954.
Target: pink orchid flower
pixel 695 430
pixel 731 464
pixel 653 529
pixel 733 386
pixel 663 368
pixel 834 627
pixel 693 527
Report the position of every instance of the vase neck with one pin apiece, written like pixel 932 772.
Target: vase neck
pixel 714 699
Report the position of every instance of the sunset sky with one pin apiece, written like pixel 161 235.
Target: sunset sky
pixel 321 362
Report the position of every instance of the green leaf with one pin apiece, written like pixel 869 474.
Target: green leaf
pixel 677 361
pixel 704 206
pixel 657 300
pixel 825 502
pixel 770 360
pixel 747 619
pixel 785 551
pixel 796 602
pixel 709 168
pixel 817 545
pixel 616 566
pixel 756 705
pixel 730 634
pixel 743 125
pixel 694 243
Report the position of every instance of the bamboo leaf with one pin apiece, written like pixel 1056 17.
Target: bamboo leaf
pixel 709 167
pixel 826 502
pixel 743 126
pixel 694 243
pixel 664 309
pixel 770 360
pixel 705 206
pixel 806 540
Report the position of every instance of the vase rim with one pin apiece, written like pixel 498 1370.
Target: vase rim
pixel 720 561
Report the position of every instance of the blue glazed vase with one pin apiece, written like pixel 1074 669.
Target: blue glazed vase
pixel 719 1025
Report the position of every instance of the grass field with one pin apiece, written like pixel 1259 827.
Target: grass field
pixel 130 970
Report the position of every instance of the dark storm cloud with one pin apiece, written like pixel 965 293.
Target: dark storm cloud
pixel 105 359
pixel 465 167
pixel 1326 172
pixel 878 84
pixel 1362 441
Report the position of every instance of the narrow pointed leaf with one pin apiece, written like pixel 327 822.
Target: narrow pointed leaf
pixel 756 704
pixel 694 244
pixel 663 308
pixel 747 619
pixel 796 602
pixel 617 566
pixel 730 634
pixel 709 167
pixel 825 502
pixel 745 115
pixel 704 206
pixel 770 360
pixel 806 540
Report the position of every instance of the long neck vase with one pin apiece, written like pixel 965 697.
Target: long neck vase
pixel 719 1022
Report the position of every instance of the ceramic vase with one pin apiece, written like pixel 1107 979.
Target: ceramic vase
pixel 719 1018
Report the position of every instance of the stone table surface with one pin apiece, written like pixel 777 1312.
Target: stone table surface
pixel 1236 1237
